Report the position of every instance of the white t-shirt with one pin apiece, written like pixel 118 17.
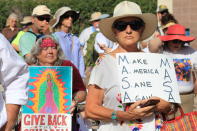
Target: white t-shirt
pixel 105 75
pixel 184 61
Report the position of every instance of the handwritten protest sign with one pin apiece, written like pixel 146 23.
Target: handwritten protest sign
pixel 144 75
pixel 50 97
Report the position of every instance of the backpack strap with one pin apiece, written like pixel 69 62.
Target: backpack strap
pixel 37 36
pixel 32 33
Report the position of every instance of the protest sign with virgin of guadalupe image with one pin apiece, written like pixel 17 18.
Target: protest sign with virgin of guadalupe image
pixel 50 98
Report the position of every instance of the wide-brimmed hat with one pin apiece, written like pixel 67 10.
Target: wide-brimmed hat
pixel 98 16
pixel 176 32
pixel 162 8
pixel 128 9
pixel 65 10
pixel 26 20
pixel 41 10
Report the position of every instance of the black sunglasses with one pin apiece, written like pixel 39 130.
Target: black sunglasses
pixel 178 41
pixel 68 15
pixel 164 11
pixel 42 18
pixel 134 25
pixel 74 17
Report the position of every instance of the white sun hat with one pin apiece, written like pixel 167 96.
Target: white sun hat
pixel 128 9
pixel 63 10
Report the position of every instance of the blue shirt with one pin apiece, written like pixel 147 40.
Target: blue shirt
pixel 70 45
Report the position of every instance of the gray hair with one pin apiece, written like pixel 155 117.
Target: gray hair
pixel 33 60
pixel 11 16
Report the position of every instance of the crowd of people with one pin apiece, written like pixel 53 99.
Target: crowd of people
pixel 47 40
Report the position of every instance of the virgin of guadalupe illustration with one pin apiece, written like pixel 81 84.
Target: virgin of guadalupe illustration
pixel 49 105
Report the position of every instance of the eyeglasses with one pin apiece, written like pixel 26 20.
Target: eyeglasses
pixel 134 25
pixel 42 18
pixel 177 41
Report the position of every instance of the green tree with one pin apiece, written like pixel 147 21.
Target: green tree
pixel 85 7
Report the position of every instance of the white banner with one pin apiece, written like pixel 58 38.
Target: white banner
pixel 46 122
pixel 144 75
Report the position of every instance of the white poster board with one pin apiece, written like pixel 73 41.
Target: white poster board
pixel 143 75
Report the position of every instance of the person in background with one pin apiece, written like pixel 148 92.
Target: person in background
pixel 127 26
pixel 161 12
pixel 40 23
pixel 11 28
pixel 48 46
pixel 91 50
pixel 85 34
pixel 167 20
pixel 184 57
pixel 70 44
pixel 103 45
pixel 14 77
pixel 26 23
pixel 163 17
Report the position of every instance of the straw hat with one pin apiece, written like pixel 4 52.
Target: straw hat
pixel 98 16
pixel 128 9
pixel 95 16
pixel 176 32
pixel 26 20
pixel 63 10
pixel 41 10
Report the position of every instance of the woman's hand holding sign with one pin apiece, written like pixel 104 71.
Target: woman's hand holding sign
pixel 135 111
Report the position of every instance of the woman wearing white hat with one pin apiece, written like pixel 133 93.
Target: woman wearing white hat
pixel 127 26
pixel 70 44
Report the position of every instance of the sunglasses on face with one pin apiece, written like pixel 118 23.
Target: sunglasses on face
pixel 68 15
pixel 42 18
pixel 134 25
pixel 163 12
pixel 178 42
